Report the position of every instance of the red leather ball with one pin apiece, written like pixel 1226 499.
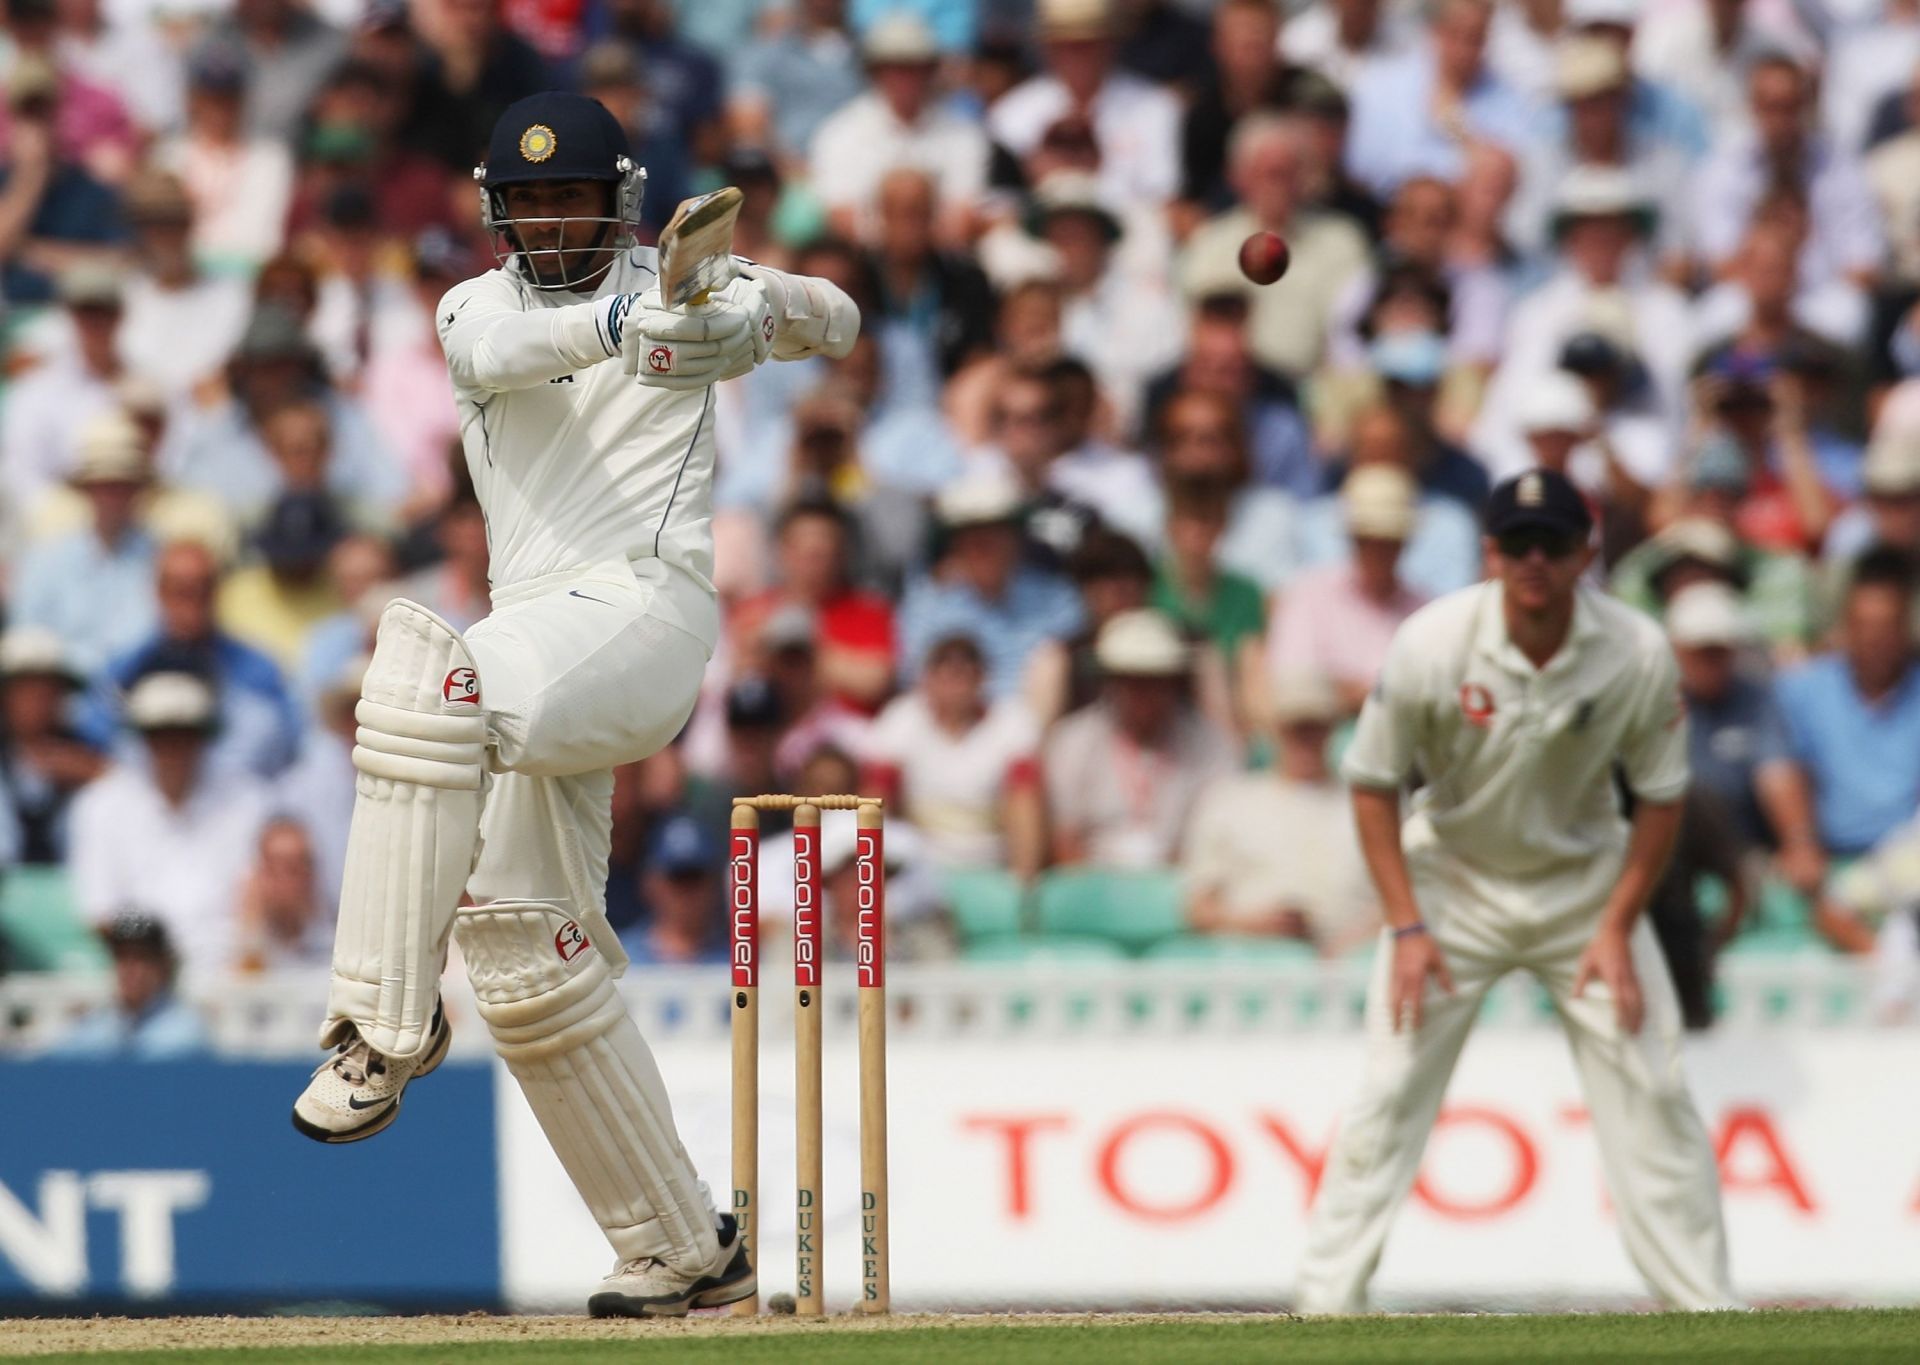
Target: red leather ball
pixel 1264 257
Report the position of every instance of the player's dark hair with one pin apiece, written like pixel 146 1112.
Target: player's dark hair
pixel 1108 554
pixel 1883 566
pixel 962 648
pixel 1068 370
pixel 810 506
pixel 1222 307
pixel 1399 278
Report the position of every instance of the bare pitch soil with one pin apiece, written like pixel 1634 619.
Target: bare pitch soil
pixel 49 1336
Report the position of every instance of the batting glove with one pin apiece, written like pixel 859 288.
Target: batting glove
pixel 811 316
pixel 692 349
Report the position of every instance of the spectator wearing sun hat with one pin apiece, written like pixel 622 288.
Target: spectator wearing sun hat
pixel 1122 774
pixel 1443 550
pixel 1615 456
pixel 1747 797
pixel 1602 221
pixel 1776 589
pixel 94 586
pixel 1337 620
pixel 259 729
pixel 1593 121
pixel 43 762
pixel 1889 515
pixel 170 833
pixel 899 121
pixel 46 408
pixel 1135 122
pixel 1274 853
pixel 1737 743
pixel 1125 327
pixel 979 585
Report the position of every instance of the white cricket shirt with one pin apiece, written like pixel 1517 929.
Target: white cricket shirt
pixel 1518 762
pixel 576 463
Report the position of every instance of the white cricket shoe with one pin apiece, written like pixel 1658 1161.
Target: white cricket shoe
pixel 356 1092
pixel 646 1288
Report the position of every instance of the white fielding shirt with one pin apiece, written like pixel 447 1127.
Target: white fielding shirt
pixel 576 462
pixel 1518 762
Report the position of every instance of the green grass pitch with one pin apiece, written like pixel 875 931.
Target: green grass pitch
pixel 1772 1336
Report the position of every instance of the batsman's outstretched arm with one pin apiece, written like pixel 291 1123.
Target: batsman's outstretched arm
pixel 494 344
pixel 811 316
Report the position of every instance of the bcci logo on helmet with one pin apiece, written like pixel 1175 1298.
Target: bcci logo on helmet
pixel 538 143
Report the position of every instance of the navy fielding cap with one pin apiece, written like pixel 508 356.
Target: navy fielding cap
pixel 1540 498
pixel 555 135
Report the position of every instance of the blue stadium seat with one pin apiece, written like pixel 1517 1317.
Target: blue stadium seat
pixel 1232 948
pixel 1062 948
pixel 1134 910
pixel 985 903
pixel 43 930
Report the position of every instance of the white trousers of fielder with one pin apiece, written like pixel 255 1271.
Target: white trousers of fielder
pixel 1659 1164
pixel 575 676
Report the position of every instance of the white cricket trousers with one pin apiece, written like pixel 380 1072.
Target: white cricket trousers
pixel 1659 1163
pixel 578 676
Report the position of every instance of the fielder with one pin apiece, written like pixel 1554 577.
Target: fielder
pixel 485 761
pixel 1516 701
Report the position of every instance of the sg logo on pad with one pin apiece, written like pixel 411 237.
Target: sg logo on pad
pixel 570 942
pixel 462 686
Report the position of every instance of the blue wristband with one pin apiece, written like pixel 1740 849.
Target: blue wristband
pixel 1408 931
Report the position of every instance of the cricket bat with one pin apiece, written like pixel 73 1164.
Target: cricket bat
pixel 696 252
pixel 696 248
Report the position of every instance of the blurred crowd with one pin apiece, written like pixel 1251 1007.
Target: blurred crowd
pixel 1088 553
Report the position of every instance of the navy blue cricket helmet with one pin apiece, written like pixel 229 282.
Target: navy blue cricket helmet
pixel 558 135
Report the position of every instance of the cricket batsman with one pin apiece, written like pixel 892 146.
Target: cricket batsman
pixel 1517 702
pixel 485 760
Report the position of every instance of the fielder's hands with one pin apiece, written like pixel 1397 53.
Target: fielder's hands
pixel 1415 958
pixel 1609 960
pixel 720 339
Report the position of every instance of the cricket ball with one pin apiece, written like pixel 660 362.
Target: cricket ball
pixel 1264 257
pixel 782 1303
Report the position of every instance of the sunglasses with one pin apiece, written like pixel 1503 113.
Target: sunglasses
pixel 1521 543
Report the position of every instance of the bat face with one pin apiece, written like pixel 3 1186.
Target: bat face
pixel 696 248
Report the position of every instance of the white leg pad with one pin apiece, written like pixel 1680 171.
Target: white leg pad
pixel 548 997
pixel 421 755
